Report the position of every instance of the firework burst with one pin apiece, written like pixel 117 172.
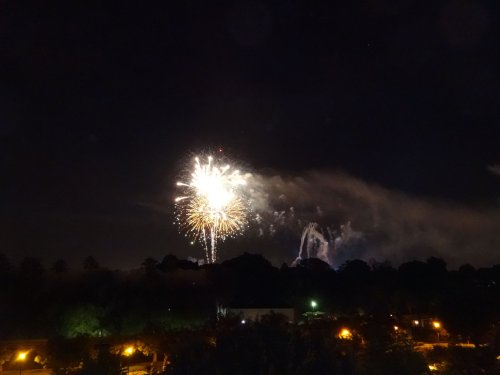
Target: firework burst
pixel 212 207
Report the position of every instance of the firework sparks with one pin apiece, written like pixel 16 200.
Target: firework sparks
pixel 212 207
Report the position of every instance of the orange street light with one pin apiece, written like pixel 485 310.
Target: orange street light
pixel 21 356
pixel 129 350
pixel 437 326
pixel 345 334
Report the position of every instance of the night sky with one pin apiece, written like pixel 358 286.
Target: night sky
pixel 102 102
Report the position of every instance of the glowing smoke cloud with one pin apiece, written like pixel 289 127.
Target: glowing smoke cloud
pixel 315 244
pixel 313 239
pixel 212 206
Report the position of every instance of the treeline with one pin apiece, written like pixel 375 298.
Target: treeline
pixel 177 294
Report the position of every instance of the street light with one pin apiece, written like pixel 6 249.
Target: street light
pixel 437 327
pixel 345 334
pixel 314 305
pixel 21 358
pixel 127 352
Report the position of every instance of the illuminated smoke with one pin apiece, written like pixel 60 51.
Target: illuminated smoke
pixel 389 224
pixel 326 246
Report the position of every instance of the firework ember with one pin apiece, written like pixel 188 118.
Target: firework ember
pixel 212 206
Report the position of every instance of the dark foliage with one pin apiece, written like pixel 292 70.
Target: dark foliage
pixel 174 301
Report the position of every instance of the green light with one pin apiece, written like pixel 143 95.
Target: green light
pixel 313 304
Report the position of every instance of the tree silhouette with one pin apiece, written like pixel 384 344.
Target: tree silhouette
pixel 150 266
pixel 59 267
pixel 5 264
pixel 31 268
pixel 90 264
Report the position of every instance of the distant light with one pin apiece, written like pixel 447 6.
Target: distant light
pixel 396 328
pixel 21 356
pixel 129 350
pixel 436 324
pixel 416 322
pixel 345 334
pixel 314 304
pixel 243 321
pixel 433 367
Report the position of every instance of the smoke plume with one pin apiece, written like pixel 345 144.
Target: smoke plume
pixel 367 221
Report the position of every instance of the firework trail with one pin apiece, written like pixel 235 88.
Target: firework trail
pixel 212 206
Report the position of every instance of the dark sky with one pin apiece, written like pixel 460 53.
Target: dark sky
pixel 100 101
